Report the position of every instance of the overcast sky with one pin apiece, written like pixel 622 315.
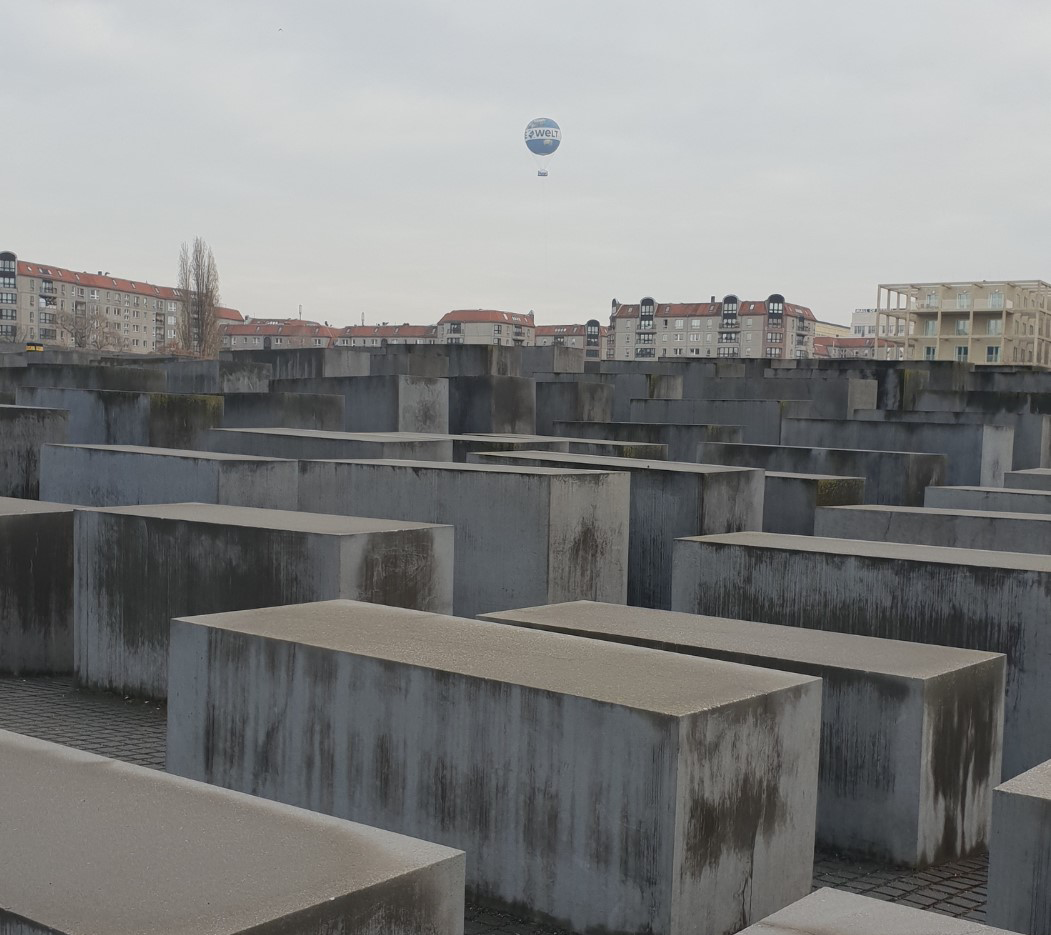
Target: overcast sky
pixel 366 157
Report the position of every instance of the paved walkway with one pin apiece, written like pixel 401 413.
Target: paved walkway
pixel 52 709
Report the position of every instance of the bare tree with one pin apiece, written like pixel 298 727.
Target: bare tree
pixel 92 330
pixel 199 288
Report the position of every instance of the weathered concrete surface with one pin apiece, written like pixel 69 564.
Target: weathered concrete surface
pixel 976 454
pixel 126 475
pixel 23 430
pixel 523 535
pixel 834 912
pixel 968 598
pixel 838 397
pixel 760 419
pixel 599 787
pixel 491 404
pixel 682 440
pixel 895 477
pixel 104 417
pixel 1031 479
pixel 311 445
pixel 138 379
pixel 894 717
pixel 210 377
pixel 668 500
pixel 93 846
pixel 283 410
pixel 997 499
pixel 627 385
pixel 306 362
pixel 36 587
pixel 958 529
pixel 551 358
pixel 792 500
pixel 576 401
pixel 1020 853
pixel 466 445
pixel 382 403
pixel 137 567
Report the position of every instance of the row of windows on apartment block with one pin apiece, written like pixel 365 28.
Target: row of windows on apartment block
pixel 725 337
pixel 696 351
pixel 696 324
pixel 8 282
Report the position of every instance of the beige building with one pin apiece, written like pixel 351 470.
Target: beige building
pixel 1004 322
pixel 384 334
pixel 771 328
pixel 591 336
pixel 485 326
pixel 65 308
pixel 258 334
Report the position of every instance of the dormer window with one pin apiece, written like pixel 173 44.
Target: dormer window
pixel 730 304
pixel 775 305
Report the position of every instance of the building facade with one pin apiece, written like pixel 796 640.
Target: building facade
pixel 486 326
pixel 254 334
pixel 771 328
pixel 373 336
pixel 987 322
pixel 591 336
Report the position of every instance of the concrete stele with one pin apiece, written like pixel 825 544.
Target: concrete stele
pixel 93 846
pixel 593 785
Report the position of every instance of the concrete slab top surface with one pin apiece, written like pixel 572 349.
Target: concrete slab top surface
pixel 190 453
pixel 12 506
pixel 833 912
pixel 7 408
pixel 1038 472
pixel 679 632
pixel 1010 491
pixel 457 466
pixel 622 464
pixel 336 436
pixel 100 847
pixel 289 520
pixel 1034 783
pixel 940 511
pixel 931 554
pixel 858 451
pixel 627 676
pixel 796 475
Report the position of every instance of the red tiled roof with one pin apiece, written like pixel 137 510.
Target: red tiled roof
pixel 229 314
pixel 389 331
pixel 575 330
pixel 94 281
pixel 706 309
pixel 285 327
pixel 837 341
pixel 483 316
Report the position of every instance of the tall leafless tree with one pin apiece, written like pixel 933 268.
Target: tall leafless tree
pixel 199 289
pixel 92 330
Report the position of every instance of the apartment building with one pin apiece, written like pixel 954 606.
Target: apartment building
pixel 837 346
pixel 367 336
pixel 591 336
pixel 61 307
pixel 275 334
pixel 987 322
pixel 486 326
pixel 770 328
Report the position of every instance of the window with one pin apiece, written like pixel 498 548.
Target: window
pixel 679 323
pixel 695 337
pixel 49 333
pixel 695 323
pixel 992 355
pixel 930 328
pixel 774 337
pixel 996 299
pixel 8 298
pixel 963 300
pixel 962 326
pixel 995 326
pixel 961 353
pixel 7 265
pixel 7 314
pixel 497 329
pixel 7 331
pixel 7 282
pixel 931 300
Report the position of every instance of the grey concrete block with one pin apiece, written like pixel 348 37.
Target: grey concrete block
pixel 1031 479
pixel 466 445
pixel 760 419
pixel 834 912
pixel 594 786
pixel 313 445
pixel 211 377
pixel 126 475
pixel 137 567
pixel 1020 853
pixel 577 401
pixel 104 417
pixel 996 499
pixel 23 431
pixel 36 588
pixel 392 403
pixel 283 410
pixel 792 501
pixel 93 846
pixel 958 529
pixel 976 454
pixel 492 404
pixel 668 500
pixel 971 599
pixel 896 477
pixel 682 440
pixel 551 534
pixel 894 715
pixel 306 363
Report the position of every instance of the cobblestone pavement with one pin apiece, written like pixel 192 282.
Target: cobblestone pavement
pixel 126 729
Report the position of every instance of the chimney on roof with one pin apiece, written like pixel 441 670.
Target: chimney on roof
pixel 100 272
pixel 712 300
